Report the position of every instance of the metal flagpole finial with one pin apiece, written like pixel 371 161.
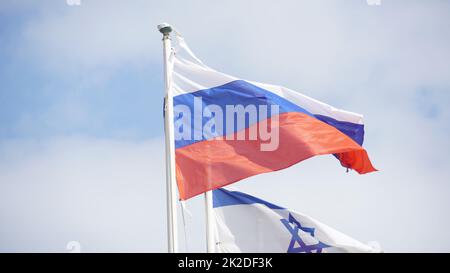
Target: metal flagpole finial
pixel 165 28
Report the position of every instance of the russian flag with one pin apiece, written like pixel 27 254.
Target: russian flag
pixel 305 127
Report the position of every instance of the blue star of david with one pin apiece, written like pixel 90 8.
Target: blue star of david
pixel 303 247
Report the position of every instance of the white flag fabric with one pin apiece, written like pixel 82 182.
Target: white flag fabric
pixel 245 223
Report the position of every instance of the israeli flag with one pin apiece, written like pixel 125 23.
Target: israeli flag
pixel 245 223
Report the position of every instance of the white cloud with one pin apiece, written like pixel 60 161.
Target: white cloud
pixel 97 33
pixel 107 195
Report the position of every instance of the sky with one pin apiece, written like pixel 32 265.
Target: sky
pixel 81 127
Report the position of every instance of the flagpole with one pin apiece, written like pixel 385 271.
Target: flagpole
pixel 210 241
pixel 171 185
